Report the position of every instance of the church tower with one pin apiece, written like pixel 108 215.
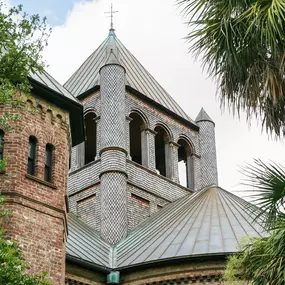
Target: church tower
pixel 141 150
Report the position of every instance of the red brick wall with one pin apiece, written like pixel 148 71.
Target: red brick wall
pixel 38 220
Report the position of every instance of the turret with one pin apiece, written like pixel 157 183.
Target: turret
pixel 113 176
pixel 208 164
pixel 34 180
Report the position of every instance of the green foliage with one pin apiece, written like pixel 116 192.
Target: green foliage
pixel 262 260
pixel 12 266
pixel 242 44
pixel 23 39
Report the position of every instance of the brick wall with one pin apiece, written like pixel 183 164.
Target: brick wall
pixel 38 220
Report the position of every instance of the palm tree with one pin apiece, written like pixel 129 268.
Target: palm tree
pixel 242 43
pixel 261 261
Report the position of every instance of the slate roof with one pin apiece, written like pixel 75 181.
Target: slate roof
pixel 209 222
pixel 85 244
pixel 203 116
pixel 87 76
pixel 48 81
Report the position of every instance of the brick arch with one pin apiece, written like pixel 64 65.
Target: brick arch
pixel 49 139
pixel 142 115
pixel 188 141
pixel 32 131
pixel 166 128
pixel 29 100
pixel 89 110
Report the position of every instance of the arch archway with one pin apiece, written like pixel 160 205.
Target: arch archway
pixel 137 138
pixel 91 137
pixel 162 138
pixel 185 164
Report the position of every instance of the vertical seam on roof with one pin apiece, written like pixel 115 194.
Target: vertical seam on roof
pixel 141 70
pixel 74 78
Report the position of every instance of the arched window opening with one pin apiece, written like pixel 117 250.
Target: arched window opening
pixel 49 163
pixel 136 132
pixel 185 165
pixel 32 155
pixel 91 137
pixel 1 145
pixel 161 139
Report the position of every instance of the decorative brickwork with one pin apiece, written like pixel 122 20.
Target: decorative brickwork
pixel 38 220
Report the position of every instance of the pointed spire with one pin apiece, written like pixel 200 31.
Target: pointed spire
pixel 112 12
pixel 203 116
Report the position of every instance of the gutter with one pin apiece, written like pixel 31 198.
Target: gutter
pixel 113 277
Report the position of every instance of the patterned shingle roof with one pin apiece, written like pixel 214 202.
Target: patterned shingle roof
pixel 87 76
pixel 209 222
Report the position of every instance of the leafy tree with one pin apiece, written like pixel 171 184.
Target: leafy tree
pixel 22 39
pixel 242 46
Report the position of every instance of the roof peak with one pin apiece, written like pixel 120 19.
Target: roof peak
pixel 111 33
pixel 203 116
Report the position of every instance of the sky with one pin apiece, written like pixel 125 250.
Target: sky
pixel 154 32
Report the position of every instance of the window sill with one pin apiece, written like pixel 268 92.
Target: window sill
pixel 36 179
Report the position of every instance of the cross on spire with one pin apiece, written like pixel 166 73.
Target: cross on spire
pixel 112 12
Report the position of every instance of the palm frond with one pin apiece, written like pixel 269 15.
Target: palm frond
pixel 242 45
pixel 269 182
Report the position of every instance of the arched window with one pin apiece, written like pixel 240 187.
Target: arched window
pixel 48 163
pixel 185 164
pixel 161 150
pixel 1 145
pixel 137 134
pixel 90 140
pixel 32 155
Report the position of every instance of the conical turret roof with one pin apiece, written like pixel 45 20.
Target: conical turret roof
pixel 137 77
pixel 203 116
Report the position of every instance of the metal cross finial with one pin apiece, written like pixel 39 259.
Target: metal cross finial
pixel 112 15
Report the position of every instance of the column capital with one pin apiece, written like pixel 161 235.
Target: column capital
pixel 150 131
pixel 96 119
pixel 129 119
pixel 174 144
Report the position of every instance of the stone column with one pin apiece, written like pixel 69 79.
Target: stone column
pixel 113 185
pixel 128 121
pixel 150 137
pixel 145 147
pixel 98 134
pixel 173 149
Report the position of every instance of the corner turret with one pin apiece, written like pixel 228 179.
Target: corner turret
pixel 209 170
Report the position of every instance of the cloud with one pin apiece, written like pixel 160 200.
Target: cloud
pixel 153 31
